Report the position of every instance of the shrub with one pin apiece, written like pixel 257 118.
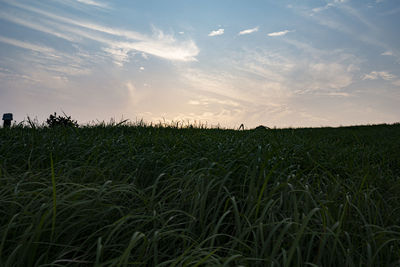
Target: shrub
pixel 64 121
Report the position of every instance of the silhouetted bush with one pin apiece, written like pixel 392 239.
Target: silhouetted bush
pixel 63 121
pixel 261 127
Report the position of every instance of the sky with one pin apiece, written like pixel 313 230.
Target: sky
pixel 307 63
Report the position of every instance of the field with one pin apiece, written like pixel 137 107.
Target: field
pixel 168 196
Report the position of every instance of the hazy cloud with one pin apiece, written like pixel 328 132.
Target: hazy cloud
pixel 194 102
pixel 343 94
pixel 309 71
pixel 387 53
pixel 374 75
pixel 249 31
pixel 326 78
pixel 217 32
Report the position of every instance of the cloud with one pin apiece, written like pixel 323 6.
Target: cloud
pixel 93 3
pixel 391 11
pixel 328 76
pixel 273 87
pixel 8 75
pixel 387 53
pixel 119 54
pixel 320 78
pixel 342 94
pixel 35 25
pixel 48 60
pixel 369 35
pixel 222 97
pixel 328 5
pixel 194 102
pixel 281 33
pixel 374 75
pixel 217 32
pixel 118 43
pixel 319 9
pixel 167 49
pixel 206 101
pixel 239 98
pixel 308 71
pixel 26 45
pixel 249 31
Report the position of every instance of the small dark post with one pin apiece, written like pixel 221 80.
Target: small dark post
pixel 7 118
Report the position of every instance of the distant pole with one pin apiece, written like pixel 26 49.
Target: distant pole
pixel 7 118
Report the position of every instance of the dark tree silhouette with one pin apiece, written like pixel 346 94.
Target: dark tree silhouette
pixel 64 121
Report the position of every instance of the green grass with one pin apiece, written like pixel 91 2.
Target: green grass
pixel 170 196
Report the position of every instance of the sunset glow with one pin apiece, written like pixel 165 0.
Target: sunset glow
pixel 276 63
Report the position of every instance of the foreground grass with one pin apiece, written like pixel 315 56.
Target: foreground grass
pixel 119 196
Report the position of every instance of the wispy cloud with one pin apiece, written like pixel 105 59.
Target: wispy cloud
pixel 8 75
pixel 328 5
pixel 206 101
pixel 119 43
pixel 216 32
pixel 235 99
pixel 167 49
pixel 26 45
pixel 319 9
pixel 249 31
pixel 309 71
pixel 281 33
pixel 343 94
pixel 93 3
pixel 374 75
pixel 50 60
pixel 35 25
pixel 369 33
pixel 219 97
pixel 391 11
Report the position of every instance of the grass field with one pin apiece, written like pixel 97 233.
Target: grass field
pixel 163 196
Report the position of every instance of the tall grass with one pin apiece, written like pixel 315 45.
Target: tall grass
pixel 182 196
